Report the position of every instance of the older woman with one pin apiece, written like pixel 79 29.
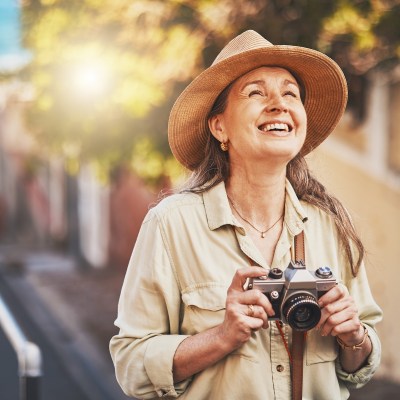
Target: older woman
pixel 189 328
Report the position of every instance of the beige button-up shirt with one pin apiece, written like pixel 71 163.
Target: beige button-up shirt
pixel 187 252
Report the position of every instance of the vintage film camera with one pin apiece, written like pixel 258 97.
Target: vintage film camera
pixel 294 293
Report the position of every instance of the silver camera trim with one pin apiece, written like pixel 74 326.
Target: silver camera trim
pixel 296 279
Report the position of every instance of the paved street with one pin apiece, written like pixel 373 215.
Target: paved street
pixel 70 371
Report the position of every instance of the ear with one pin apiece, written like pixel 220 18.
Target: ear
pixel 215 125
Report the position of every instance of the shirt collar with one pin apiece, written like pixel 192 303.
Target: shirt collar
pixel 219 213
pixel 217 207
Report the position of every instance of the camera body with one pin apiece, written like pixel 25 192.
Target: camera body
pixel 294 293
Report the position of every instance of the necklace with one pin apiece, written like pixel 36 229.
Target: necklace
pixel 245 220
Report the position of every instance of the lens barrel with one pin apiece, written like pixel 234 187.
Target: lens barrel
pixel 301 311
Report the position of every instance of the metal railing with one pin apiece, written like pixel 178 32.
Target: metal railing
pixel 28 354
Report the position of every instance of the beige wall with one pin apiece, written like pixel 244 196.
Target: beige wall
pixel 375 208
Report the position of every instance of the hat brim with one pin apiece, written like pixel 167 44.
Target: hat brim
pixel 325 97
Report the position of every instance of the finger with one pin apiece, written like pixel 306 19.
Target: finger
pixel 344 311
pixel 256 297
pixel 250 310
pixel 254 323
pixel 328 311
pixel 348 327
pixel 255 311
pixel 342 303
pixel 241 276
pixel 257 319
pixel 337 306
pixel 337 292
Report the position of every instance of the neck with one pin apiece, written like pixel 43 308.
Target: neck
pixel 260 197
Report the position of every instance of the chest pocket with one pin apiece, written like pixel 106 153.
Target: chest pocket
pixel 319 348
pixel 204 308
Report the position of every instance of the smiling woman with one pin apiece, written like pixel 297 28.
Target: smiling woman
pixel 190 327
pixel 264 116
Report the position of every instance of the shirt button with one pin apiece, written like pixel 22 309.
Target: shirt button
pixel 280 368
pixel 241 231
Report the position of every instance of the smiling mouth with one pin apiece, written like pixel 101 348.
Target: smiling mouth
pixel 277 127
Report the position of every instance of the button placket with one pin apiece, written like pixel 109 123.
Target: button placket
pixel 280 364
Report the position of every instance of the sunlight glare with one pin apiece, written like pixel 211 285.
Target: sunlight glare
pixel 91 78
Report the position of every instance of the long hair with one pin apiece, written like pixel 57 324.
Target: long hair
pixel 215 168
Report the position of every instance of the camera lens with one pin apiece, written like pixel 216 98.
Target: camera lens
pixel 302 311
pixel 302 314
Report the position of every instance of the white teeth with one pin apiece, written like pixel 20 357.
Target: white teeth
pixel 281 127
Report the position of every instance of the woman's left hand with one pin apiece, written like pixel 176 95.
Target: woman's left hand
pixel 339 316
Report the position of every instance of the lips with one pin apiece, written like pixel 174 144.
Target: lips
pixel 276 127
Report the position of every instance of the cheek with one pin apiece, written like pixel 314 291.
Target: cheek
pixel 235 122
pixel 302 121
pixel 304 125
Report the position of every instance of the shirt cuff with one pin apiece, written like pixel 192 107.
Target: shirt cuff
pixel 158 363
pixel 362 376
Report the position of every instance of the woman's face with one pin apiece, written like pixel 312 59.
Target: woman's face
pixel 264 118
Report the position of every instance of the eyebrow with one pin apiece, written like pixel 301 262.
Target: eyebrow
pixel 286 82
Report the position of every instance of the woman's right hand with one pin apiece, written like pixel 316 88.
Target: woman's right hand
pixel 246 310
pixel 200 351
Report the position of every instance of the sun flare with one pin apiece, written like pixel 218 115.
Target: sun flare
pixel 91 78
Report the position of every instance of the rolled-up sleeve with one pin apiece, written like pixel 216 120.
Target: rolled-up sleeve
pixel 370 314
pixel 148 319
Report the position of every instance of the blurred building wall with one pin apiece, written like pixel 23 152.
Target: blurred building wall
pixel 358 165
pixel 21 217
pixel 129 202
pixel 93 217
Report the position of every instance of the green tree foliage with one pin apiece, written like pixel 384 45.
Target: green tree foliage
pixel 359 34
pixel 106 72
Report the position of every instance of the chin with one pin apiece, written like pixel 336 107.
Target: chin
pixel 284 154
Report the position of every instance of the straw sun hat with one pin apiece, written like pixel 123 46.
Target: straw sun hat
pixel 322 79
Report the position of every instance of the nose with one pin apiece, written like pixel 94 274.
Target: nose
pixel 276 103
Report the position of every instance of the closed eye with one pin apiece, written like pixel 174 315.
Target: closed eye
pixel 290 93
pixel 256 92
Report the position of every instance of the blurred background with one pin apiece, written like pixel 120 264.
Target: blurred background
pixel 85 92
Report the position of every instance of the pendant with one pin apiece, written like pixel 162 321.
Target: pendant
pixel 263 235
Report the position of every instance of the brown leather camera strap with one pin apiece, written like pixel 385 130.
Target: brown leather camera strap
pixel 298 337
pixel 299 250
pixel 298 342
